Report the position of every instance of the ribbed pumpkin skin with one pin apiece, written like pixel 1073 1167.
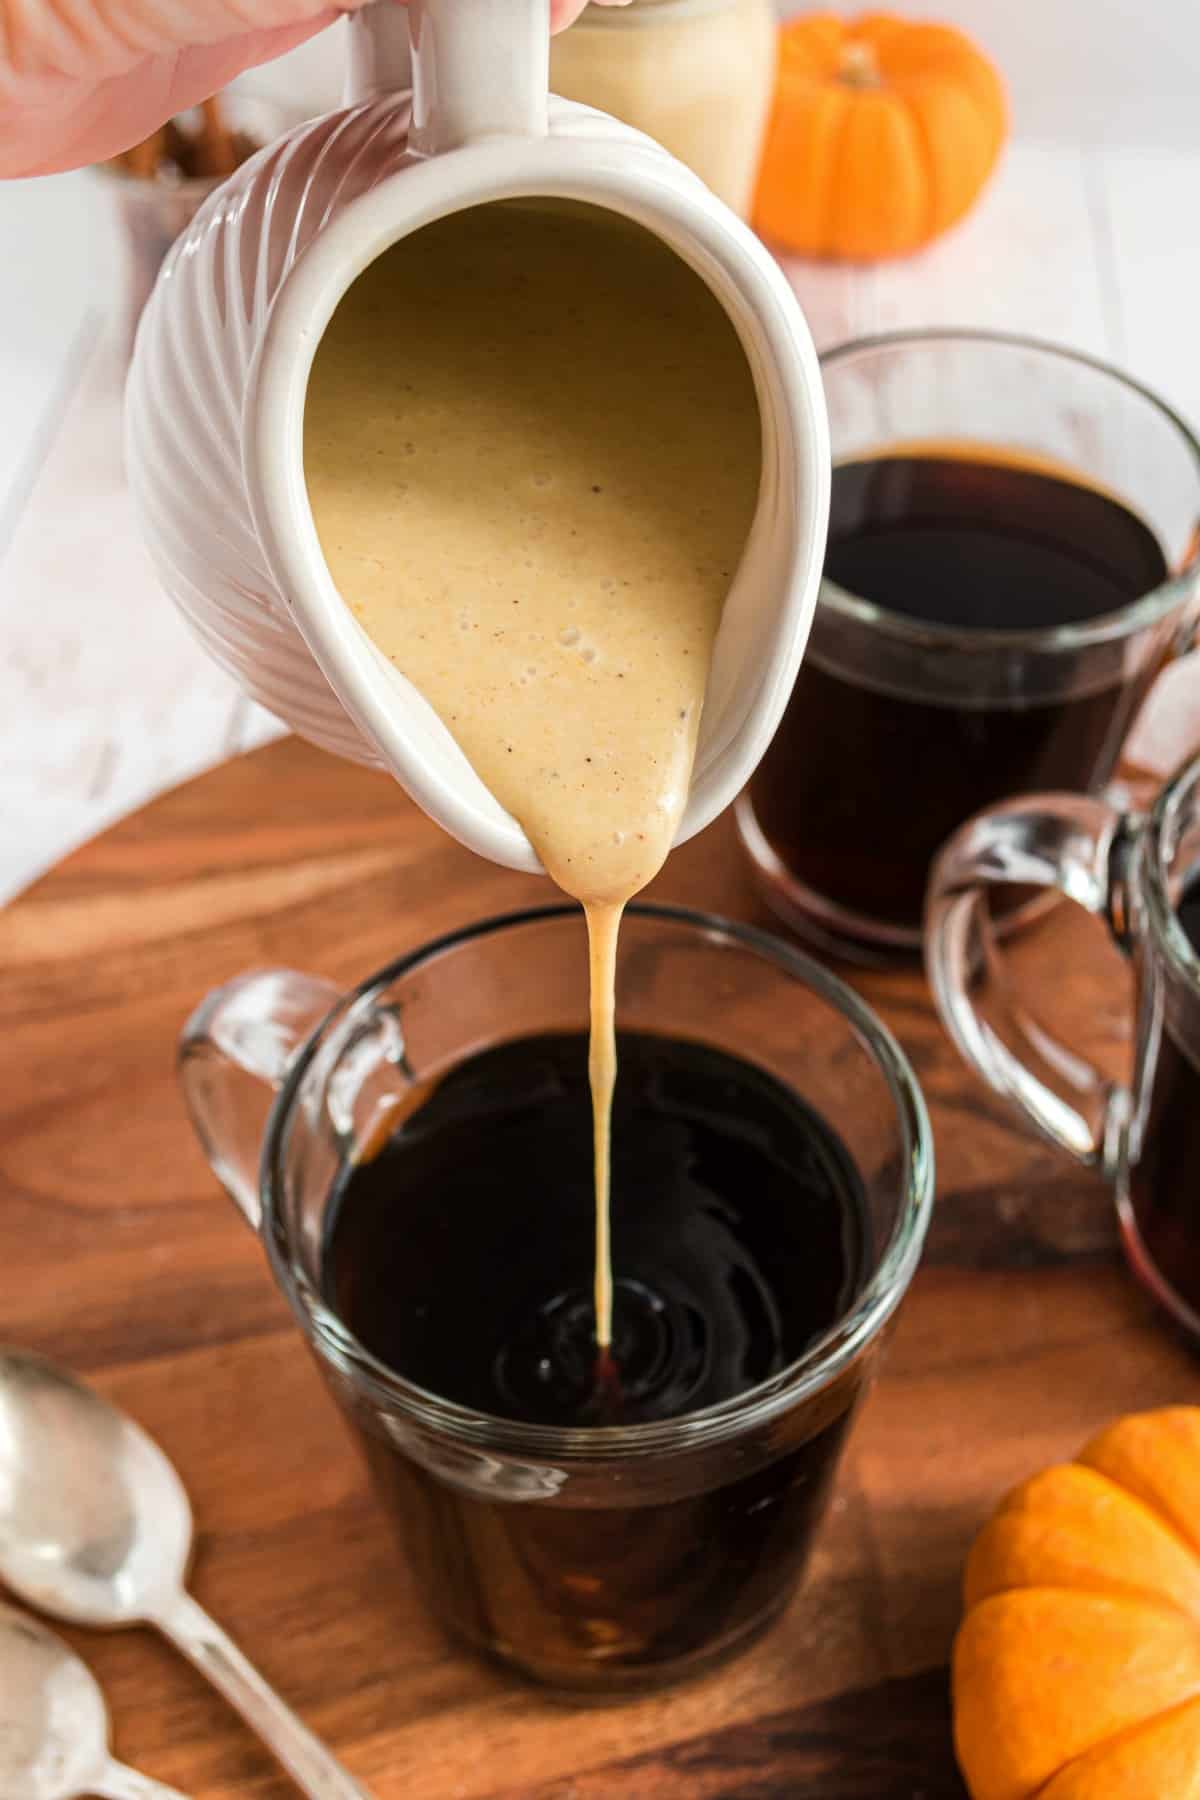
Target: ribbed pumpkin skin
pixel 882 135
pixel 1077 1664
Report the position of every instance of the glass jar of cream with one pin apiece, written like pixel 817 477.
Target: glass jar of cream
pixel 697 75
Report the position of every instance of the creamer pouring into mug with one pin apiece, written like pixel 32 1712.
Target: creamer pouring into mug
pixel 532 450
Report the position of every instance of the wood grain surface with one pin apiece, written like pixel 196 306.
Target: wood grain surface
pixel 121 1258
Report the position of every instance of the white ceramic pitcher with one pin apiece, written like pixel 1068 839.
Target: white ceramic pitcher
pixel 217 388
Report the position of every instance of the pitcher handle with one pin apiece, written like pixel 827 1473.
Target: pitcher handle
pixel 476 68
pixel 234 1055
pixel 1083 848
pixel 378 52
pixel 481 68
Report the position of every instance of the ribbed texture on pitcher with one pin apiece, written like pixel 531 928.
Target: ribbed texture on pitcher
pixel 187 386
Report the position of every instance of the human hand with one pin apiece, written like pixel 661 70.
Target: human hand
pixel 81 80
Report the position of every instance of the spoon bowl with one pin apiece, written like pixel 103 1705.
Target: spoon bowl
pixel 95 1527
pixel 54 1723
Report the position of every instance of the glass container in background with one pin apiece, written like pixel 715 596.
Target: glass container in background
pixel 695 75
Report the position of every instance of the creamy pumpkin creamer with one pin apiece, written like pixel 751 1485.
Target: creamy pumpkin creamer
pixel 532 450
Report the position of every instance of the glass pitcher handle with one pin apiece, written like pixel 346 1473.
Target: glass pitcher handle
pixel 481 68
pixel 1082 848
pixel 234 1055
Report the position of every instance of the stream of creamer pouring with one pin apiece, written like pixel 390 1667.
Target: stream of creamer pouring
pixel 532 450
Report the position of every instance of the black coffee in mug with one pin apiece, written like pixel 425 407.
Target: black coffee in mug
pixel 602 1524
pixel 461 1256
pixel 866 778
pixel 1164 1189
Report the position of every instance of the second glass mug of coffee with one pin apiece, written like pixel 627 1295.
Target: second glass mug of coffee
pixel 602 1558
pixel 1139 872
pixel 904 722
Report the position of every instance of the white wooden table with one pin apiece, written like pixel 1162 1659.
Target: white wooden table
pixel 103 696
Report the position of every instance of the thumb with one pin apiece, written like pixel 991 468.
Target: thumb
pixel 53 119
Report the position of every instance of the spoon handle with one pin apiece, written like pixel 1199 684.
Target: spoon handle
pixel 312 1767
pixel 117 1782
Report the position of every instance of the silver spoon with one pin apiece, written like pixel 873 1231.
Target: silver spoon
pixel 95 1527
pixel 54 1723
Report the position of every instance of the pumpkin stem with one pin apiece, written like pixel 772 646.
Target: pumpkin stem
pixel 858 65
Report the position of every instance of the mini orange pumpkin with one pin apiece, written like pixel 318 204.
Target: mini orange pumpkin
pixel 883 133
pixel 1077 1665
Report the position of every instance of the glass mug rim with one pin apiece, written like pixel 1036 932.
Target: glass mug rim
pixel 1125 621
pixel 819 1366
pixel 1170 803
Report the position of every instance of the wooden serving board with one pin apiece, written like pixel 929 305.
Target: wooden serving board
pixel 121 1258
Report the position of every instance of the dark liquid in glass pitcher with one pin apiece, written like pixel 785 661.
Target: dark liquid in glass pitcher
pixel 863 783
pixel 1164 1184
pixel 461 1257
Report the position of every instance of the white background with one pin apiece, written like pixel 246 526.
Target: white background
pixel 1087 70
pixel 1116 71
pixel 1089 234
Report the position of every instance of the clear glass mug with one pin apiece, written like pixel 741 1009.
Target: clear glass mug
pixel 600 1559
pixel 1131 870
pixel 967 716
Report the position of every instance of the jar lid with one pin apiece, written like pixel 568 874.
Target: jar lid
pixel 637 12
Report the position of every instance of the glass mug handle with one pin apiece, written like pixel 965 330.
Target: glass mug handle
pixel 1142 783
pixel 234 1055
pixel 1082 848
